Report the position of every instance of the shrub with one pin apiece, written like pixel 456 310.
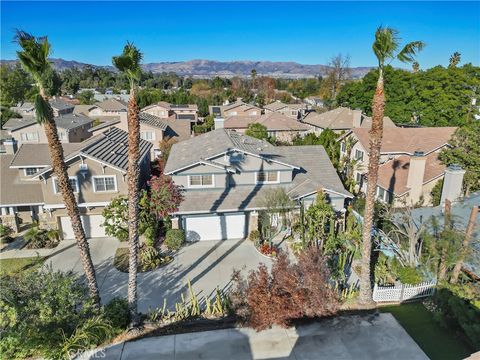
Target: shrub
pixel 116 312
pixel 5 232
pixel 458 312
pixel 39 238
pixel 409 275
pixel 290 292
pixel 41 311
pixel 150 235
pixel 174 239
pixel 254 236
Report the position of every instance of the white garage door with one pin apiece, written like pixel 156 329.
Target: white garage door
pixel 219 227
pixel 91 225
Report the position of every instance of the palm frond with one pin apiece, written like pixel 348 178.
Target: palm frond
pixel 409 51
pixel 385 44
pixel 129 62
pixel 34 53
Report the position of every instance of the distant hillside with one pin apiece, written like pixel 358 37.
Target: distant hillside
pixel 211 68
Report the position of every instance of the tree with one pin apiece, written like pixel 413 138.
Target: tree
pixel 253 73
pixel 317 218
pixel 86 97
pixel 277 204
pixel 257 130
pixel 128 63
pixel 14 85
pixel 33 56
pixel 454 60
pixel 337 74
pixel 465 151
pixel 165 196
pixel 385 48
pixel 415 66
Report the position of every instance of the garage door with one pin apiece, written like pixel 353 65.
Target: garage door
pixel 91 225
pixel 218 227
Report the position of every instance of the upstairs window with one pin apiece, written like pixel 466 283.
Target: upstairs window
pixel 33 136
pixel 267 177
pixel 359 155
pixel 343 147
pixel 73 183
pixel 30 171
pixel 200 181
pixel 147 135
pixel 104 183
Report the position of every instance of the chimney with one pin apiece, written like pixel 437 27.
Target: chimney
pixel 219 123
pixel 357 118
pixel 452 183
pixel 416 173
pixel 10 146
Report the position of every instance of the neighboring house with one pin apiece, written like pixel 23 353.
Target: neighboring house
pixel 84 109
pixel 313 101
pixel 97 169
pixel 165 110
pixel 152 129
pixel 280 126
pixel 110 109
pixel 238 108
pixel 225 175
pixel 102 97
pixel 60 107
pixel 24 109
pixel 70 128
pixel 294 111
pixel 409 164
pixel 341 119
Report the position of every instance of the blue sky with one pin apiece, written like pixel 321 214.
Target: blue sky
pixel 306 32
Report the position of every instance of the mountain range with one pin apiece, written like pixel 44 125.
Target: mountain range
pixel 211 68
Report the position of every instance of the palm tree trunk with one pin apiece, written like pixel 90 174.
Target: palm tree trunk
pixel 133 175
pixel 466 243
pixel 60 169
pixel 376 133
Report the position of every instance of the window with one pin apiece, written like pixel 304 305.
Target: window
pixel 29 136
pixel 358 155
pixel 254 113
pixel 380 193
pixel 267 177
pixel 235 157
pixel 200 180
pixel 73 183
pixel 104 183
pixel 147 135
pixel 30 171
pixel 359 178
pixel 62 135
pixel 343 147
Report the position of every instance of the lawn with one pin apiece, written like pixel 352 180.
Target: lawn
pixel 435 341
pixel 13 266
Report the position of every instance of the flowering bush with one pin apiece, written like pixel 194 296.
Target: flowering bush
pixel 268 250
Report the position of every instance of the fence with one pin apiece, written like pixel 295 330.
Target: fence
pixel 399 293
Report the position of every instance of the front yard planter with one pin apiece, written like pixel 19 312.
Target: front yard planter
pixel 267 250
pixel 121 261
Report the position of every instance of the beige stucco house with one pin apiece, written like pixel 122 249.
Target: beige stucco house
pixel 294 111
pixel 409 164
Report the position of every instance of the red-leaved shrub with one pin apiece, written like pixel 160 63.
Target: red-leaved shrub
pixel 291 291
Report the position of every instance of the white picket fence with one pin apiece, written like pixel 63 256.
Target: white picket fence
pixel 403 292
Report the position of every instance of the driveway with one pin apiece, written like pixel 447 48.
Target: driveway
pixel 354 337
pixel 208 265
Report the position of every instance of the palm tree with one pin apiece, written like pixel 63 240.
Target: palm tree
pixel 455 59
pixel 385 48
pixel 34 58
pixel 415 67
pixel 129 63
pixel 253 73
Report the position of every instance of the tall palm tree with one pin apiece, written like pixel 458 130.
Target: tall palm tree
pixel 455 59
pixel 33 56
pixel 129 63
pixel 415 67
pixel 385 48
pixel 253 73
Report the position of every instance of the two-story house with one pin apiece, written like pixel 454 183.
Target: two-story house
pixel 294 111
pixel 340 120
pixel 109 109
pixel 279 126
pixel 70 128
pixel 409 164
pixel 238 108
pixel 97 169
pixel 164 110
pixel 60 107
pixel 225 175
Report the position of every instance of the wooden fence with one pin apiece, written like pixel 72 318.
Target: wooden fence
pixel 403 292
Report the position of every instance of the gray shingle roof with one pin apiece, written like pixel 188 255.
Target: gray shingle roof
pixel 60 105
pixel 14 191
pixel 112 105
pixel 65 121
pixel 152 120
pixel 18 123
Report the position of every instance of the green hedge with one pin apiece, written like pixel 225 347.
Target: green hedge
pixel 174 239
pixel 458 313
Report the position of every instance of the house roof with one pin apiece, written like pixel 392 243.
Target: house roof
pixel 272 121
pixel 152 120
pixel 169 106
pixel 26 106
pixel 83 109
pixel 112 105
pixel 237 104
pixel 66 121
pixel 110 148
pixel 409 140
pixel 59 104
pixel 393 175
pixel 341 118
pixel 275 106
pixel 460 214
pixel 14 191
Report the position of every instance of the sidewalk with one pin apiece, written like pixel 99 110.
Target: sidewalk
pixel 26 253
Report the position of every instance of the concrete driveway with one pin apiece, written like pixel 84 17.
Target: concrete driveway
pixel 207 264
pixel 355 337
